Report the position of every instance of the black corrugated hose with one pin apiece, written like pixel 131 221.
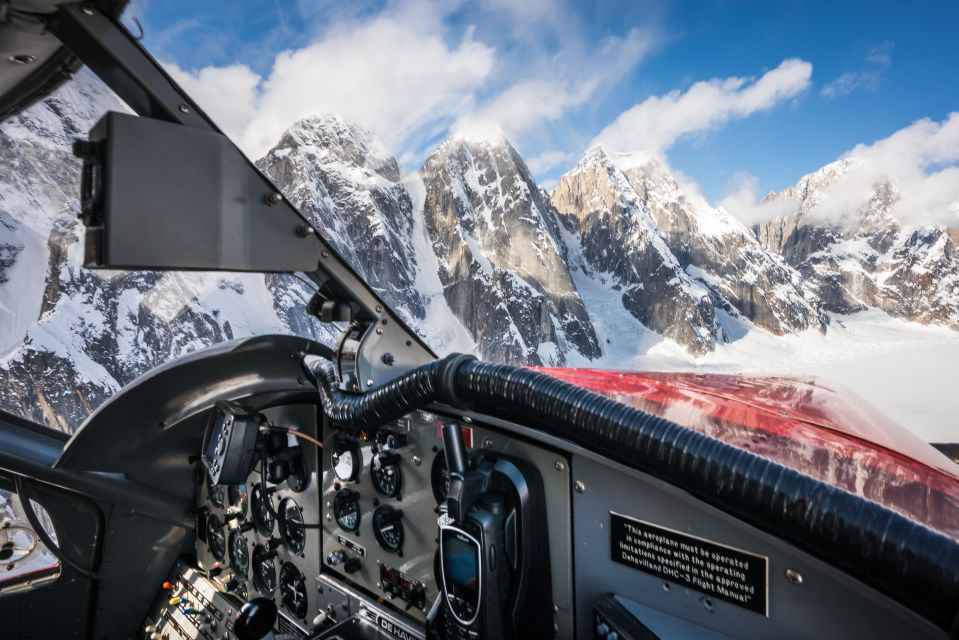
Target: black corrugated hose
pixel 913 564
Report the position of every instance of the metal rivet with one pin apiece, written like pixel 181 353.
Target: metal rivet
pixel 87 10
pixel 665 586
pixel 22 58
pixel 559 465
pixel 273 199
pixel 379 331
pixel 328 518
pixel 369 382
pixel 467 419
pixel 184 109
pixel 707 604
pixel 579 486
pixel 326 254
pixel 794 576
pixel 304 231
pixel 379 309
pixel 417 460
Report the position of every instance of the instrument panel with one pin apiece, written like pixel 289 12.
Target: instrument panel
pixel 249 538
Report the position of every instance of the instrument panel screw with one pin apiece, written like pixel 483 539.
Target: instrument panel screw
pixel 379 331
pixel 184 109
pixel 379 309
pixel 488 443
pixel 22 58
pixel 794 576
pixel 304 231
pixel 326 254
pixel 329 518
pixel 273 199
pixel 579 486
pixel 559 465
pixel 417 460
pixel 87 10
pixel 369 382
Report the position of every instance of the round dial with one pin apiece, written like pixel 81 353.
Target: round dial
pixel 346 460
pixel 386 475
pixel 260 504
pixel 238 498
pixel 239 553
pixel 291 515
pixel 388 528
pixel 214 537
pixel 293 590
pixel 216 493
pixel 346 509
pixel 264 569
pixel 440 477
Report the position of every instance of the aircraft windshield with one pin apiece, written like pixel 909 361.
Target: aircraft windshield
pixel 563 187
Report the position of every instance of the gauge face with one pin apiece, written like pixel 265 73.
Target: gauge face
pixel 214 537
pixel 238 498
pixel 346 460
pixel 294 537
pixel 239 553
pixel 388 528
pixel 264 570
pixel 216 493
pixel 346 509
pixel 440 477
pixel 386 475
pixel 293 590
pixel 262 517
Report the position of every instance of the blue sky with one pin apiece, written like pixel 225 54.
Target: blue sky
pixel 730 93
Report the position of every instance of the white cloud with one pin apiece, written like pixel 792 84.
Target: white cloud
pixel 393 74
pixel 548 160
pixel 920 160
pixel 878 60
pixel 550 93
pixel 742 200
pixel 656 123
pixel 228 94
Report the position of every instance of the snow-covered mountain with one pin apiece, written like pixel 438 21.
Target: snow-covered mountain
pixel 469 250
pixel 864 257
pixel 502 262
pixel 685 270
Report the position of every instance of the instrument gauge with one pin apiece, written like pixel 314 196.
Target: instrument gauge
pixel 291 530
pixel 264 569
pixel 388 528
pixel 214 537
pixel 293 590
pixel 346 509
pixel 239 553
pixel 260 505
pixel 346 460
pixel 215 493
pixel 237 495
pixel 386 475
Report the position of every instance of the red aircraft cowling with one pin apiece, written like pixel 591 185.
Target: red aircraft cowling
pixel 803 424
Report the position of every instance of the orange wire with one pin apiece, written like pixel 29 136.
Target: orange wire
pixel 307 437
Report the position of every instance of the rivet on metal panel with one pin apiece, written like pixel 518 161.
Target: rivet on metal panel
pixel 794 576
pixel 417 460
pixel 579 486
pixel 273 199
pixel 184 109
pixel 369 382
pixel 560 465
pixel 87 10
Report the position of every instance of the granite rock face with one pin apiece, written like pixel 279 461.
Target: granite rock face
pixel 502 261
